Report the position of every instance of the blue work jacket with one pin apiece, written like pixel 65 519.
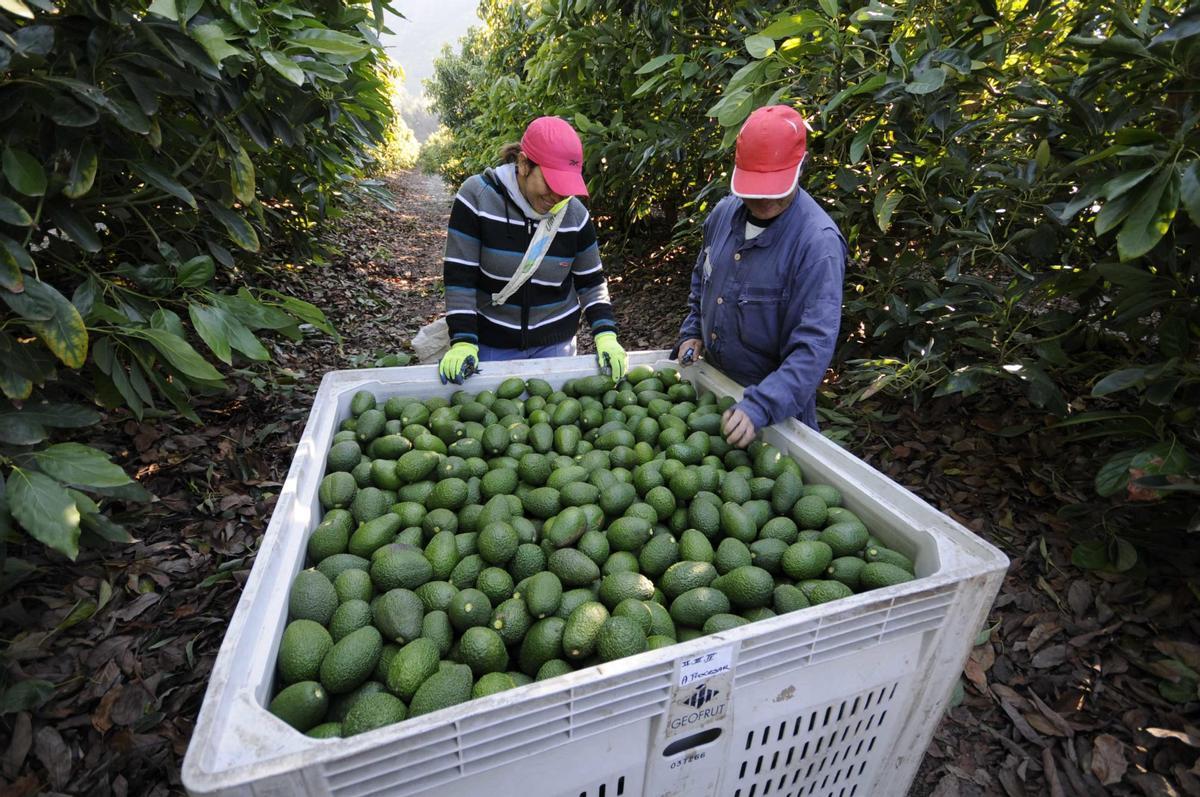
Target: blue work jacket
pixel 768 309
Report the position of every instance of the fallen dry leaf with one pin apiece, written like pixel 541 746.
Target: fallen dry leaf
pixel 18 745
pixel 1108 759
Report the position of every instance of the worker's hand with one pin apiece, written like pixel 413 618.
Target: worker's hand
pixel 739 429
pixel 689 351
pixel 452 366
pixel 609 353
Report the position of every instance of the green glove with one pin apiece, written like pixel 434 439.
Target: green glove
pixel 450 369
pixel 609 353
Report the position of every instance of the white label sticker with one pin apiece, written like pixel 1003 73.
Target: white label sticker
pixel 705 666
pixel 701 696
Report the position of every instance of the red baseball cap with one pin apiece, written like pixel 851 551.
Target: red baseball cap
pixel 770 150
pixel 553 144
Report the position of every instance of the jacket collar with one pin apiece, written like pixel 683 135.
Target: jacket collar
pixel 787 220
pixel 505 177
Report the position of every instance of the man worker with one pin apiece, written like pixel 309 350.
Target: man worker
pixel 766 294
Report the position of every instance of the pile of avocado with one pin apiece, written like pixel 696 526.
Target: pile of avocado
pixel 475 544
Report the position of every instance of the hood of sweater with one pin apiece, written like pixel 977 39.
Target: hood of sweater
pixel 507 176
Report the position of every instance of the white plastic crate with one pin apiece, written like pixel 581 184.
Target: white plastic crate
pixel 837 700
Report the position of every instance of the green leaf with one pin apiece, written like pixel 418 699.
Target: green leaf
pixel 968 381
pixel 830 7
pixel 11 278
pixel 128 115
pixel 211 325
pixel 1043 154
pixel 323 40
pixel 60 416
pixel 104 527
pixel 874 12
pixel 24 172
pixel 77 227
pixel 654 64
pixel 1122 554
pixel 241 175
pixel 1126 180
pixel 1090 555
pixel 180 354
pixel 1113 476
pixel 82 610
pixel 35 303
pixel 861 139
pixel 83 171
pixel 240 231
pixel 245 341
pixel 245 14
pixel 14 214
pixel 163 182
pixel 15 386
pixel 650 83
pixel 222 332
pixel 196 273
pixel 325 71
pixel 1119 380
pixel 1113 213
pixel 759 46
pixel 735 107
pixel 74 463
pixel 11 251
pixel 958 60
pixel 872 83
pixel 64 332
pixel 213 40
pixel 1150 218
pixel 45 510
pixel 18 431
pixel 795 24
pixel 886 203
pixel 168 320
pixel 926 81
pixel 165 8
pixel 305 311
pixel 1189 190
pixel 1181 28
pixel 1041 389
pixel 31 693
pixel 284 66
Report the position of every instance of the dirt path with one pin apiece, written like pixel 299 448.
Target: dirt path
pixel 1080 686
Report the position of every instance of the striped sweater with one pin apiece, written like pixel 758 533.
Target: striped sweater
pixel 487 238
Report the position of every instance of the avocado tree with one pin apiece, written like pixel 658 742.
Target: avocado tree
pixel 150 156
pixel 1019 184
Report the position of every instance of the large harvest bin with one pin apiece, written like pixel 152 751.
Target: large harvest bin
pixel 839 699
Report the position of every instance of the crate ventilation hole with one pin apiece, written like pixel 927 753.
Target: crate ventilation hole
pixel 819 753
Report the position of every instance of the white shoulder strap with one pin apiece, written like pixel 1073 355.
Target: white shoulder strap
pixel 538 246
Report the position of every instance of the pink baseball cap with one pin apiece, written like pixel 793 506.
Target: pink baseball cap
pixel 770 150
pixel 553 144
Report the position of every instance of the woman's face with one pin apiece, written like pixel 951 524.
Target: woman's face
pixel 533 185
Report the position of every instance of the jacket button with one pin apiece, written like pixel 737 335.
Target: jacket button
pixel 738 256
pixel 713 336
pixel 720 300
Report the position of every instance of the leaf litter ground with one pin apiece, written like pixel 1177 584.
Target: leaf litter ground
pixel 1081 683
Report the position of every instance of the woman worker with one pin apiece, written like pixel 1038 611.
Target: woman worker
pixel 522 259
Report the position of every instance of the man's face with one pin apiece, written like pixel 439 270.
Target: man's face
pixel 766 209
